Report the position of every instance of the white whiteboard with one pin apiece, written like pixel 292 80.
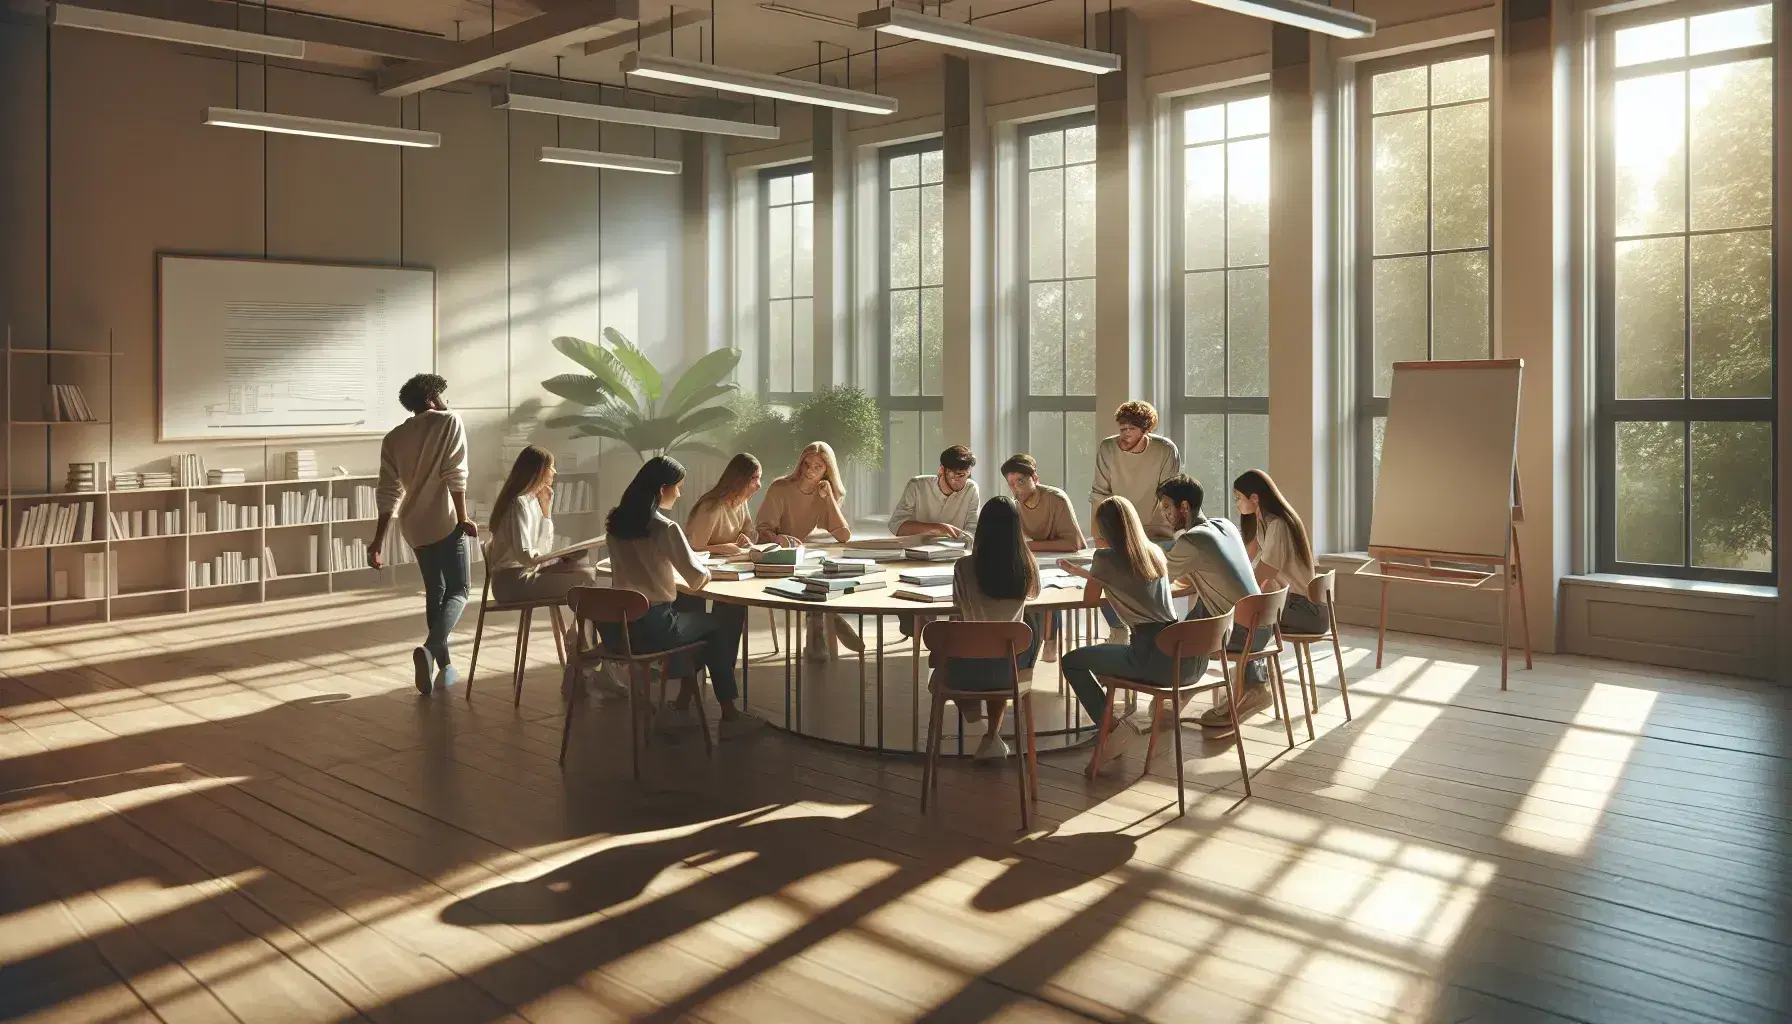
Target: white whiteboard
pixel 1447 458
pixel 262 349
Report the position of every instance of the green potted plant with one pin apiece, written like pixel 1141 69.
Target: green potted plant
pixel 624 398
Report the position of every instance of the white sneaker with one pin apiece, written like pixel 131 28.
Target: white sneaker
pixel 603 678
pixel 739 725
pixel 1120 739
pixel 1121 634
pixel 993 748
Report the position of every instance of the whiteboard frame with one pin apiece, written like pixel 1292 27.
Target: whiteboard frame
pixel 435 340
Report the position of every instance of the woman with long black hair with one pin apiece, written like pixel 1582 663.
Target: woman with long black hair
pixel 650 555
pixel 993 584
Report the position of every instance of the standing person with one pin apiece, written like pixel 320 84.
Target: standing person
pixel 1049 521
pixel 720 522
pixel 806 499
pixel 423 480
pixel 1281 553
pixel 1130 570
pixel 943 502
pixel 649 555
pixel 1210 554
pixel 993 584
pixel 523 531
pixel 1131 464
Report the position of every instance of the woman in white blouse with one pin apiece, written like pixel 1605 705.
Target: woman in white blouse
pixel 1280 551
pixel 522 532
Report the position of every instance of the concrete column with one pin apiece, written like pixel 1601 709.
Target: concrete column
pixel 967 376
pixel 1123 272
pixel 1301 335
pixel 1532 291
pixel 832 165
pixel 703 196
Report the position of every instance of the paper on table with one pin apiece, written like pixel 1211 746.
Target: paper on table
pixel 574 548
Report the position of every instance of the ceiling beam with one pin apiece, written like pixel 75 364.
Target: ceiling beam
pixel 683 18
pixel 556 30
pixel 312 28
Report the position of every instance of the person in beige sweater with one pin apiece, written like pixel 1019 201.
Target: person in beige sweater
pixel 720 522
pixel 796 505
pixel 1130 464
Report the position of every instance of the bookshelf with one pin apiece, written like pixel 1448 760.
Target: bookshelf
pixel 146 572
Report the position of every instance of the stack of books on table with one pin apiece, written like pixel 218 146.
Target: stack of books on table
pixel 844 566
pixel 301 464
pixel 939 551
pixel 186 470
pixel 926 577
pixel 127 481
pixel 870 554
pixel 84 476
pixel 771 560
pixel 936 594
pixel 220 477
pixel 728 572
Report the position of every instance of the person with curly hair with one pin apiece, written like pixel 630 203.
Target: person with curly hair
pixel 1130 465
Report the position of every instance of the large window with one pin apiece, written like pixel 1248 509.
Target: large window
pixel 914 235
pixel 1424 236
pixel 787 283
pixel 1686 293
pixel 1057 356
pixel 1221 365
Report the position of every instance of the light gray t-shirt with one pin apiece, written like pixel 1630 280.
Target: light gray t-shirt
pixel 922 502
pixel 1211 554
pixel 1137 600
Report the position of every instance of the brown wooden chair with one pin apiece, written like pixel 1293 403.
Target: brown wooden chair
pixel 1323 592
pixel 1251 613
pixel 525 619
pixel 594 605
pixel 947 640
pixel 1190 638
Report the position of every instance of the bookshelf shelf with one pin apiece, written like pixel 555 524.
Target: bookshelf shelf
pixel 153 592
pixel 226 586
pixel 93 353
pixel 58 603
pixel 57 547
pixel 157 536
pixel 225 533
pixel 293 526
pixel 300 576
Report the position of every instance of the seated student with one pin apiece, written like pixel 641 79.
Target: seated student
pixel 1130 570
pixel 649 555
pixel 1276 540
pixel 522 533
pixel 993 584
pixel 944 502
pixel 720 522
pixel 1209 553
pixel 1049 520
pixel 796 505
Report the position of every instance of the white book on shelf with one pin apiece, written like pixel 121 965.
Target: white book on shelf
pixel 64 513
pixel 112 521
pixel 111 574
pixel 267 560
pixel 311 553
pixel 86 521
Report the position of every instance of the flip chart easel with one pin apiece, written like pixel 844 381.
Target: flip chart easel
pixel 1449 499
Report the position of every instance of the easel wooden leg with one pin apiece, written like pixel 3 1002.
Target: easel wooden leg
pixel 1505 626
pixel 1381 633
pixel 1524 612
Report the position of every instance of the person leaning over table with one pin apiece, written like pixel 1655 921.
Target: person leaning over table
pixel 1131 463
pixel 649 555
pixel 944 502
pixel 1049 520
pixel 523 532
pixel 720 522
pixel 993 584
pixel 796 505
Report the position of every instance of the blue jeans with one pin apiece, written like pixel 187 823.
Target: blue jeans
pixel 1139 660
pixel 1257 672
pixel 667 625
pixel 445 572
pixel 992 673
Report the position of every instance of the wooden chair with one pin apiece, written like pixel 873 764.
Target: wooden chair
pixel 526 617
pixel 1191 638
pixel 1323 592
pixel 1252 612
pixel 594 605
pixel 949 640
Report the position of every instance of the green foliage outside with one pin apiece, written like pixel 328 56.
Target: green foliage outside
pixel 844 416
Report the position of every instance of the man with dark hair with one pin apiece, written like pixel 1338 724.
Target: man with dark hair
pixel 423 479
pixel 943 502
pixel 1210 555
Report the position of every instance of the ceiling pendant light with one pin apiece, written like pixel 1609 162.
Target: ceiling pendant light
pixel 502 99
pixel 317 127
pixel 962 35
pixel 118 23
pixel 609 161
pixel 751 83
pixel 1301 14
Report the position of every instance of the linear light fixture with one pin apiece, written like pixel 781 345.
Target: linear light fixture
pixel 777 87
pixel 798 12
pixel 503 99
pixel 962 35
pixel 609 161
pixel 64 16
pixel 291 124
pixel 1301 14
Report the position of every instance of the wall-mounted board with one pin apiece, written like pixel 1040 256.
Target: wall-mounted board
pixel 250 349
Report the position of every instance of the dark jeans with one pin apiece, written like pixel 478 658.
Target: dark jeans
pixel 992 673
pixel 445 572
pixel 1257 672
pixel 667 625
pixel 1139 660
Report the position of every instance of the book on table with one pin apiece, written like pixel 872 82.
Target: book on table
pixel 577 547
pixel 832 585
pixel 772 554
pixel 847 566
pixel 926 577
pixel 796 590
pixel 940 552
pixel 874 555
pixel 925 595
pixel 729 572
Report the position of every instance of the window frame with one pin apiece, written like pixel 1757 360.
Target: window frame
pixel 765 178
pixel 921 404
pixel 1368 408
pixel 1608 410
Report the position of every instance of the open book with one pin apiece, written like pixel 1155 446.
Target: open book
pixel 576 548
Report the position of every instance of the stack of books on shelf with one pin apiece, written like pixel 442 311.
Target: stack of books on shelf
pixel 298 507
pixel 130 480
pixel 301 464
pixel 155 478
pixel 67 404
pixel 143 522
pixel 227 568
pixel 188 470
pixel 225 515
pixel 574 496
pixel 84 477
pixel 347 553
pixel 55 524
pixel 223 477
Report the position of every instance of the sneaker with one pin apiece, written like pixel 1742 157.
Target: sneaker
pixel 424 664
pixel 603 678
pixel 849 637
pixel 1120 739
pixel 446 676
pixel 1217 721
pixel 993 748
pixel 671 718
pixel 1050 654
pixel 1121 634
pixel 740 725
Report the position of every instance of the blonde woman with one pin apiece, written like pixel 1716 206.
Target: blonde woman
pixel 1130 571
pixel 795 506
pixel 719 522
pixel 522 532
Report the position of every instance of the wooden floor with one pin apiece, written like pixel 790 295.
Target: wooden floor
pixel 249 814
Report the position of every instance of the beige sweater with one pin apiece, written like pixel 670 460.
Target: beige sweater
pixel 1051 518
pixel 653 565
pixel 422 461
pixel 717 523
pixel 786 510
pixel 1135 476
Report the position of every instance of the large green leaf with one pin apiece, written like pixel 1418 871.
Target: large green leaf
pixel 582 388
pixel 635 362
pixel 707 372
pixel 604 430
pixel 705 419
pixel 700 397
pixel 603 365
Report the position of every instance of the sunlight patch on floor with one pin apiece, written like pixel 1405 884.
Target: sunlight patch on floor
pixel 1603 734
